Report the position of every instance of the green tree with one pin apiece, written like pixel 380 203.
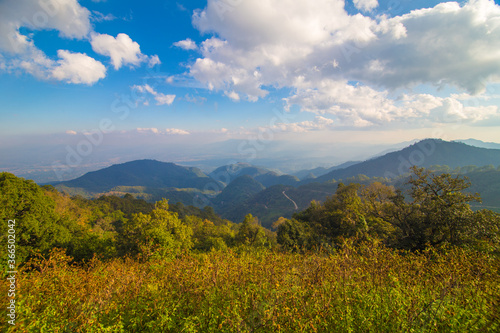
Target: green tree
pixel 438 212
pixel 158 234
pixel 37 226
pixel 207 235
pixel 251 233
pixel 293 235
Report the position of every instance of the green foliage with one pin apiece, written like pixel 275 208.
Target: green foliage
pixel 36 223
pixel 292 235
pixel 137 268
pixel 438 213
pixel 158 234
pixel 250 233
pixel 354 211
pixel 207 213
pixel 207 236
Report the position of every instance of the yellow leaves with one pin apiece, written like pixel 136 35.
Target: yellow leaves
pixel 269 292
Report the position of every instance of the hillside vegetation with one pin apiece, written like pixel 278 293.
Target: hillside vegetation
pixel 370 257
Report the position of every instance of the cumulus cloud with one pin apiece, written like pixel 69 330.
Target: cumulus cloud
pixel 78 68
pixel 317 50
pixel 67 17
pixel 176 131
pixel 187 44
pixel 365 5
pixel 154 60
pixel 319 123
pixel 363 106
pixel 148 130
pixel 161 99
pixel 168 131
pixel 122 50
pixel 71 132
pixel 71 20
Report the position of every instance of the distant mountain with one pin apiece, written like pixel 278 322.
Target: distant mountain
pixel 280 200
pixel 227 173
pixel 145 173
pixel 320 171
pixel 480 144
pixel 237 192
pixel 268 205
pixel 266 177
pixel 425 153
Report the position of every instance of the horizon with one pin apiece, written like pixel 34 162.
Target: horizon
pixel 90 83
pixel 209 166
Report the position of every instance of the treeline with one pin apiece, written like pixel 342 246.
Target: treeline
pixel 435 211
pixel 111 226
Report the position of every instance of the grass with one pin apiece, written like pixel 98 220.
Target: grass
pixel 356 289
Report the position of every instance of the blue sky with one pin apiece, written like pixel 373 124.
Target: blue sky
pixel 196 72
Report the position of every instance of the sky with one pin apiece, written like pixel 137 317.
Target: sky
pixel 108 76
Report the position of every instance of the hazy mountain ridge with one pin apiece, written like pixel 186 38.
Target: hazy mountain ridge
pixel 425 153
pixel 238 189
pixel 147 173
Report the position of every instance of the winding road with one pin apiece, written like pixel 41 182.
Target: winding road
pixel 296 207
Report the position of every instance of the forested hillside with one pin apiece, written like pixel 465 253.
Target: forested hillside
pixel 124 264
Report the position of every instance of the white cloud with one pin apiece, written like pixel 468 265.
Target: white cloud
pixel 316 48
pixel 176 131
pixel 161 99
pixel 153 61
pixel 445 45
pixel 362 106
pixel 233 95
pixel 365 5
pixel 168 131
pixel 122 50
pixel 187 44
pixel 319 123
pixel 70 132
pixel 100 17
pixel 148 130
pixel 65 16
pixel 71 20
pixel 78 68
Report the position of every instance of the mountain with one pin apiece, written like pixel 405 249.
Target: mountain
pixel 237 192
pixel 266 177
pixel 281 200
pixel 268 205
pixel 426 153
pixel 320 171
pixel 228 173
pixel 144 173
pixel 480 144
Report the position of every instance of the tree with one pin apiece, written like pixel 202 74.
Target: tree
pixel 160 234
pixel 37 226
pixel 292 235
pixel 439 211
pixel 251 233
pixel 207 235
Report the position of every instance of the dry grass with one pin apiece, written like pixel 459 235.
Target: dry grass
pixel 358 289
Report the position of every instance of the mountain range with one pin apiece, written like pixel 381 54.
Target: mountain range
pixel 238 189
